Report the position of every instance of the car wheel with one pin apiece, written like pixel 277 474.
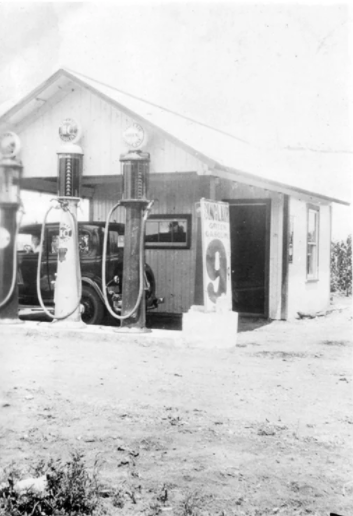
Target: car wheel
pixel 93 312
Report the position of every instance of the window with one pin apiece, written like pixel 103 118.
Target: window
pixel 312 261
pixel 116 238
pixel 168 231
pixel 88 241
pixel 115 241
pixel 28 242
pixel 53 236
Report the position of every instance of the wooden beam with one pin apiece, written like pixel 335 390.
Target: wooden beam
pixel 39 184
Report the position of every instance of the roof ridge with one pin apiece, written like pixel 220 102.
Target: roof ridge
pixel 160 107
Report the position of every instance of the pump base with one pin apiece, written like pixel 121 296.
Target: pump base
pixel 69 324
pixel 64 325
pixel 127 330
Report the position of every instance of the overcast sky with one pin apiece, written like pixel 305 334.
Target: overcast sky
pixel 274 75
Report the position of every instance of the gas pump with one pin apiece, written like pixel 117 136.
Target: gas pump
pixel 68 286
pixel 135 171
pixel 10 175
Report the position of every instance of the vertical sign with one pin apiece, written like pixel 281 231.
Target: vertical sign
pixel 217 291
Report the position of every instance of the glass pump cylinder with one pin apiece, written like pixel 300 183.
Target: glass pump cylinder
pixel 135 170
pixel 10 178
pixel 69 173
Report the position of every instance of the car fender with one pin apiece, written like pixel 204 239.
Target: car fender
pixel 95 286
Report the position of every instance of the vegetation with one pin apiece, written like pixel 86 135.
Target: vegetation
pixel 70 490
pixel 341 266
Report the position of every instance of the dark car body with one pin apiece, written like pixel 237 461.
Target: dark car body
pixel 91 235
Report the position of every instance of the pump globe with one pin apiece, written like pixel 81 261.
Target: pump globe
pixel 10 144
pixel 70 131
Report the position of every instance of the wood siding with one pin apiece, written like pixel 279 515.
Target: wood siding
pixel 308 295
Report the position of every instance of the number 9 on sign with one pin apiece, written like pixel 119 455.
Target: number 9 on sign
pixel 216 264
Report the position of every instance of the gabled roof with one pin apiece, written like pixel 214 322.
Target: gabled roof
pixel 321 174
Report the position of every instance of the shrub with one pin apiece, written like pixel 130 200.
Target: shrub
pixel 341 266
pixel 70 490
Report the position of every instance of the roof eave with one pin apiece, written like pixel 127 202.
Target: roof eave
pixel 33 95
pixel 269 184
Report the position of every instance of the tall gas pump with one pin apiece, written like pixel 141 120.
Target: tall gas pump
pixel 68 286
pixel 135 172
pixel 10 175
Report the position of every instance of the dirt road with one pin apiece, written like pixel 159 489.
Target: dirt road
pixel 263 428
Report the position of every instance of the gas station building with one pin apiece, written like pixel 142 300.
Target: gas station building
pixel 280 213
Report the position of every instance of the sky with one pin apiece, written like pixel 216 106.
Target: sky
pixel 275 75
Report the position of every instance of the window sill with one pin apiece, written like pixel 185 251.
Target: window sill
pixel 312 280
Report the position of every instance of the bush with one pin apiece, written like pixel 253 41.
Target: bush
pixel 341 266
pixel 70 491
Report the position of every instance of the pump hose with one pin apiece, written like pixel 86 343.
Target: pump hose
pixel 74 226
pixel 14 267
pixel 141 271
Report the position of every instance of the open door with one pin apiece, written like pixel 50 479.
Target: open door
pixel 249 235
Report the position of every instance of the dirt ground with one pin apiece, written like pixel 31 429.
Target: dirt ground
pixel 262 428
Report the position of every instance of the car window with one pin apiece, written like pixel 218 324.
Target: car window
pixel 85 242
pixel 89 241
pixel 53 235
pixel 115 241
pixel 28 242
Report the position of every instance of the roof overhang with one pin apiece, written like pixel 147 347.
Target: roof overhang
pixel 238 176
pixel 56 84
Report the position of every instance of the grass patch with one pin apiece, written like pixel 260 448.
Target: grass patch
pixel 336 342
pixel 67 489
pixel 280 354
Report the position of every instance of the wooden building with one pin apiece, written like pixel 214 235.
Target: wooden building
pixel 280 213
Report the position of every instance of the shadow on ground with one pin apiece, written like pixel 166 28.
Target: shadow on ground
pixel 162 321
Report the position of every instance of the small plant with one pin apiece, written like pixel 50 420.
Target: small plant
pixel 160 501
pixel 341 266
pixel 118 498
pixel 191 505
pixel 70 490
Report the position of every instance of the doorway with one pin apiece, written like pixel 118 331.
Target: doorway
pixel 249 236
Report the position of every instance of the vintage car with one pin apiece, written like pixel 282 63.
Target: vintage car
pixel 91 235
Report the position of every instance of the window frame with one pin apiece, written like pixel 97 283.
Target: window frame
pixel 313 245
pixel 175 217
